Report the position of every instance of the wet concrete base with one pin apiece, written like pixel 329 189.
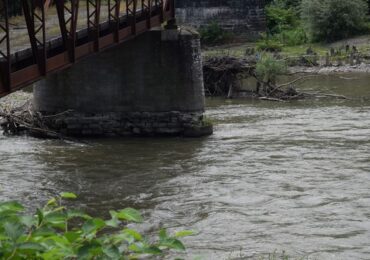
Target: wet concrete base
pixel 174 123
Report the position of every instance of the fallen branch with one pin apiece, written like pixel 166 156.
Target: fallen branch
pixel 271 99
pixel 318 95
pixel 24 120
pixel 296 80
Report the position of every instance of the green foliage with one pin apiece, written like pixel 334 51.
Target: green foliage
pixel 269 44
pixel 56 232
pixel 330 20
pixel 292 37
pixel 283 22
pixel 280 18
pixel 213 34
pixel 268 68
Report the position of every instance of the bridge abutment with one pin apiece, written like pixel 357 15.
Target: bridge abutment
pixel 150 85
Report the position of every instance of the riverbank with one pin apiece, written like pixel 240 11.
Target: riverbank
pixel 346 56
pixel 360 68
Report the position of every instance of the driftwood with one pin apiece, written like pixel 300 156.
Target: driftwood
pixel 221 74
pixel 222 77
pixel 23 120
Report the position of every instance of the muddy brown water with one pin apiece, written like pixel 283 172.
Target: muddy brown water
pixel 273 177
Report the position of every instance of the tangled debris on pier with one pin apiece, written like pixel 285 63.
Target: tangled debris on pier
pixel 17 118
pixel 222 74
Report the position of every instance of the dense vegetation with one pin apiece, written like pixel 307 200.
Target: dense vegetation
pixel 331 20
pixel 213 34
pixel 293 22
pixel 55 232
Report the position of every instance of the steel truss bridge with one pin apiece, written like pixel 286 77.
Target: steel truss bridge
pixel 126 20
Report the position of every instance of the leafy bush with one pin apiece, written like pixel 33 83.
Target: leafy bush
pixel 292 37
pixel 213 33
pixel 331 20
pixel 56 232
pixel 268 68
pixel 283 22
pixel 269 44
pixel 280 18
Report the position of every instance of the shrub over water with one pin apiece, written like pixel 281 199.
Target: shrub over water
pixel 268 68
pixel 54 233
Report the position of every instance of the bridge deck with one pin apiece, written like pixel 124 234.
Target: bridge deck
pixel 47 54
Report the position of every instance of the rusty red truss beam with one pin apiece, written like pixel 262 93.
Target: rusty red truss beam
pixel 114 7
pixel 34 13
pixel 93 21
pixel 68 17
pixel 131 9
pixel 146 7
pixel 5 48
pixel 5 62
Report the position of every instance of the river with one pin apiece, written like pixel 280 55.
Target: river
pixel 291 177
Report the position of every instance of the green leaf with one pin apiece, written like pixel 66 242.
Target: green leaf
pixel 172 243
pixel 3 237
pixel 43 232
pixel 136 235
pixel 40 216
pixel 163 234
pixel 152 250
pixel 114 222
pixel 28 221
pixel 52 202
pixel 54 253
pixel 112 252
pixel 130 214
pixel 31 246
pixel 68 195
pixel 72 236
pixel 93 225
pixel 184 233
pixel 56 219
pixel 13 230
pixel 10 207
pixel 77 214
pixel 142 248
pixel 90 251
pixel 118 238
pixel 58 242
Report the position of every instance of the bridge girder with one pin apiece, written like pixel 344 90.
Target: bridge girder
pixel 126 19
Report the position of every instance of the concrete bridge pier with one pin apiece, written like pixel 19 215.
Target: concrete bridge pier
pixel 150 85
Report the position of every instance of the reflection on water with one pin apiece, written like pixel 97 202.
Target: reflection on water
pixel 274 176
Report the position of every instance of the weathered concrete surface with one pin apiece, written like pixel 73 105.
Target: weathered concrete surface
pixel 132 87
pixel 243 17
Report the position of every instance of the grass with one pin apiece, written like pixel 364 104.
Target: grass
pixel 238 50
pixel 233 50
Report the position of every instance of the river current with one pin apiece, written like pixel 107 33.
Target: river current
pixel 291 177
